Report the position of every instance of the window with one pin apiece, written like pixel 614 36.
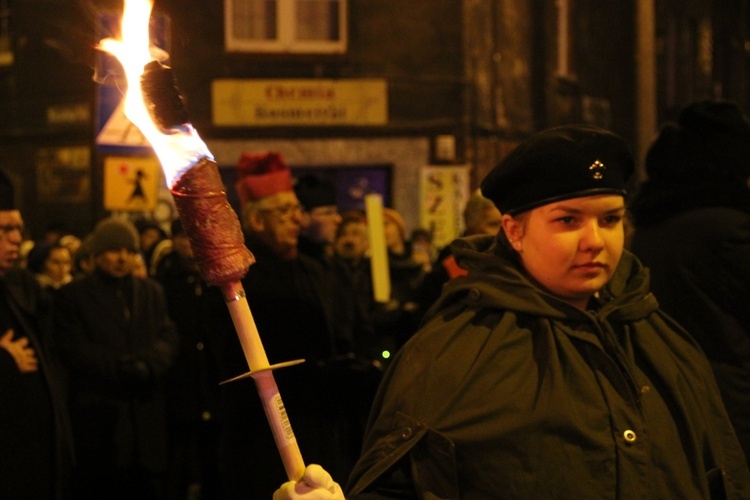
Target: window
pixel 286 26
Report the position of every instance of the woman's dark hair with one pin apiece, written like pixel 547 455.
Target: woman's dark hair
pixel 39 254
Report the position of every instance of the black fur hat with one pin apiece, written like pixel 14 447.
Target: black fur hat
pixel 314 191
pixel 710 137
pixel 702 160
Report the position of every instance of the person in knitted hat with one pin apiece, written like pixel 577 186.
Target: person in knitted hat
pixel 34 421
pixel 692 229
pixel 549 369
pixel 117 343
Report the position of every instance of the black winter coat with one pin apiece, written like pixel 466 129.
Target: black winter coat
pixel 700 272
pixel 107 329
pixel 35 435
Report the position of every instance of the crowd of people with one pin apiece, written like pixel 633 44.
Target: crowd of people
pixel 528 359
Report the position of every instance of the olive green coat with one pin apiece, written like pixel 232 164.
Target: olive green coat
pixel 507 392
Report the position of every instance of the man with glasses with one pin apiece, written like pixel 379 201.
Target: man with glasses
pixel 271 212
pixel 292 308
pixel 34 426
pixel 355 376
pixel 319 224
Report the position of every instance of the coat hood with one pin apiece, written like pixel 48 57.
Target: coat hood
pixel 497 281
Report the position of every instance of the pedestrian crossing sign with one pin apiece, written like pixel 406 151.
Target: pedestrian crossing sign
pixel 131 183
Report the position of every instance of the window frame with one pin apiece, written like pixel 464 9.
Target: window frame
pixel 286 41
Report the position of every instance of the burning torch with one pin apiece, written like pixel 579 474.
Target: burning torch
pixel 212 226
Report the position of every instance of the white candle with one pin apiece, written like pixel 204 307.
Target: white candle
pixel 381 278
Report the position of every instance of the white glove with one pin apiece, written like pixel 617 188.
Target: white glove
pixel 316 484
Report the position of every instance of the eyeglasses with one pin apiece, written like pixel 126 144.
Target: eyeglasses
pixel 325 211
pixel 284 211
pixel 6 229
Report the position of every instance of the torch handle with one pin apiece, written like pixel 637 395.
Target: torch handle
pixel 256 358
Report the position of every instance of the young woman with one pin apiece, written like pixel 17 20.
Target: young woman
pixel 52 264
pixel 549 371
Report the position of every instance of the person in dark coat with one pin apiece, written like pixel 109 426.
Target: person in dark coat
pixel 52 265
pixel 152 241
pixel 692 230
pixel 480 216
pixel 549 371
pixel 354 376
pixel 117 343
pixel 320 215
pixel 35 435
pixel 319 223
pixel 397 320
pixel 352 260
pixel 198 311
pixel 292 308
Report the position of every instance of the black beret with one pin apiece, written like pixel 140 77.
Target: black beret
pixel 716 117
pixel 558 164
pixel 7 193
pixel 314 191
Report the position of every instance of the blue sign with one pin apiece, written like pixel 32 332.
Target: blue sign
pixel 116 135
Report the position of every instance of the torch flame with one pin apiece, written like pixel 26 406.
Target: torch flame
pixel 178 148
pixel 212 226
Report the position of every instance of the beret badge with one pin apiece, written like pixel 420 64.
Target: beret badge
pixel 597 169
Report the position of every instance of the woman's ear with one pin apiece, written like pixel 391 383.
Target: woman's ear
pixel 513 229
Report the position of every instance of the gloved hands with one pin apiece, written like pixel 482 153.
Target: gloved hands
pixel 316 484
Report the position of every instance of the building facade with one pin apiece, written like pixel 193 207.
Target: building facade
pixel 383 88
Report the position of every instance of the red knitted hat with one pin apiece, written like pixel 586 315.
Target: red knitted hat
pixel 260 175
